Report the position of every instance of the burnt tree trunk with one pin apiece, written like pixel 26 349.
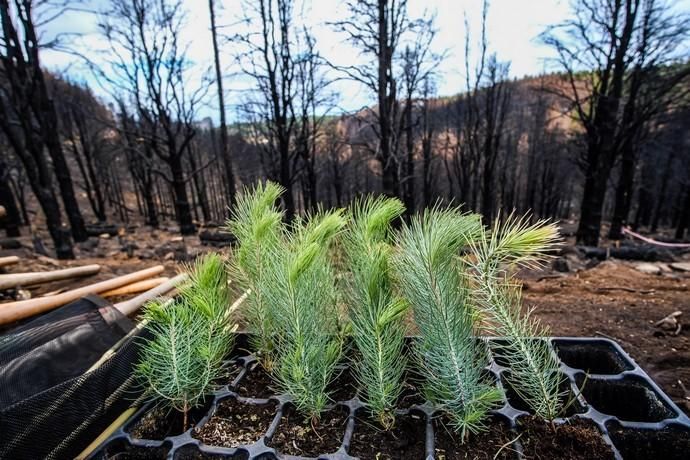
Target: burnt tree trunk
pixel 12 219
pixel 183 211
pixel 224 146
pixel 409 159
pixel 624 191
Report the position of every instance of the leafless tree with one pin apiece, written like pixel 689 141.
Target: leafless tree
pixel 377 29
pixel 28 117
pixel 418 63
pixel 615 55
pixel 84 125
pixel 147 62
pixel 288 91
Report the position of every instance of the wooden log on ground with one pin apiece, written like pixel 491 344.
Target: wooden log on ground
pixel 9 260
pixel 14 311
pixel 100 229
pixel 14 280
pixel 135 288
pixel 647 253
pixel 218 238
pixel 10 243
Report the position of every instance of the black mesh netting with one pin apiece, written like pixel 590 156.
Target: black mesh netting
pixel 51 404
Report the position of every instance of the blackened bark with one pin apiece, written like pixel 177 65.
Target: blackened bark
pixel 62 173
pixel 12 221
pixel 179 186
pixel 386 98
pixel 202 196
pixel 661 198
pixel 593 197
pixel 684 219
pixel 224 146
pixel 409 159
pixel 624 191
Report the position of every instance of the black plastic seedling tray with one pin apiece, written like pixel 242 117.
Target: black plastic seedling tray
pixel 633 415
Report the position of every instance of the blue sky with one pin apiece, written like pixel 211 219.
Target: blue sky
pixel 512 28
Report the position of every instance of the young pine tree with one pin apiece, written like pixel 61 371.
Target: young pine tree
pixel 190 337
pixel 256 222
pixel 376 313
pixel 534 372
pixel 299 285
pixel 432 279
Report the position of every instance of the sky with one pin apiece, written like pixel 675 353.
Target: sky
pixel 512 28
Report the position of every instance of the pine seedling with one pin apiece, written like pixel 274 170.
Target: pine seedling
pixel 189 338
pixel 432 279
pixel 256 222
pixel 300 285
pixel 534 373
pixel 375 311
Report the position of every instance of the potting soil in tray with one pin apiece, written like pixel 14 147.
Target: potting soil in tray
pixel 617 412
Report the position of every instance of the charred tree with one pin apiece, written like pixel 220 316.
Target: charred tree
pixel 12 220
pixel 26 120
pixel 150 65
pixel 224 147
pixel 626 43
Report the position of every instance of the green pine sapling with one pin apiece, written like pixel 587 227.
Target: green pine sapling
pixel 190 337
pixel 432 279
pixel 376 313
pixel 299 284
pixel 534 373
pixel 256 222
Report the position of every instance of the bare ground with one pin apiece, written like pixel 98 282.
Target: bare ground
pixel 617 301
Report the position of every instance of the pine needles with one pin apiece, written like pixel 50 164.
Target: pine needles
pixel 375 312
pixel 534 372
pixel 257 224
pixel 299 285
pixel 190 337
pixel 431 280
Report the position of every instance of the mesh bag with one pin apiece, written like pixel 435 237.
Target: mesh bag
pixel 56 414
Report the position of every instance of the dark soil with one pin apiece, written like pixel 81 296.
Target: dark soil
pixel 494 443
pixel 235 424
pixel 613 300
pixel 344 386
pixel 571 441
pixel 405 441
pixel 256 383
pixel 669 443
pixel 295 435
pixel 159 423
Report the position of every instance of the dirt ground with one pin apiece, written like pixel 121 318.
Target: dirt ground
pixel 613 299
pixel 616 301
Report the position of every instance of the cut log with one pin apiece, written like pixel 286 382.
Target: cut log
pixel 135 288
pixel 647 253
pixel 28 279
pixel 14 311
pixel 100 229
pixel 216 238
pixel 9 260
